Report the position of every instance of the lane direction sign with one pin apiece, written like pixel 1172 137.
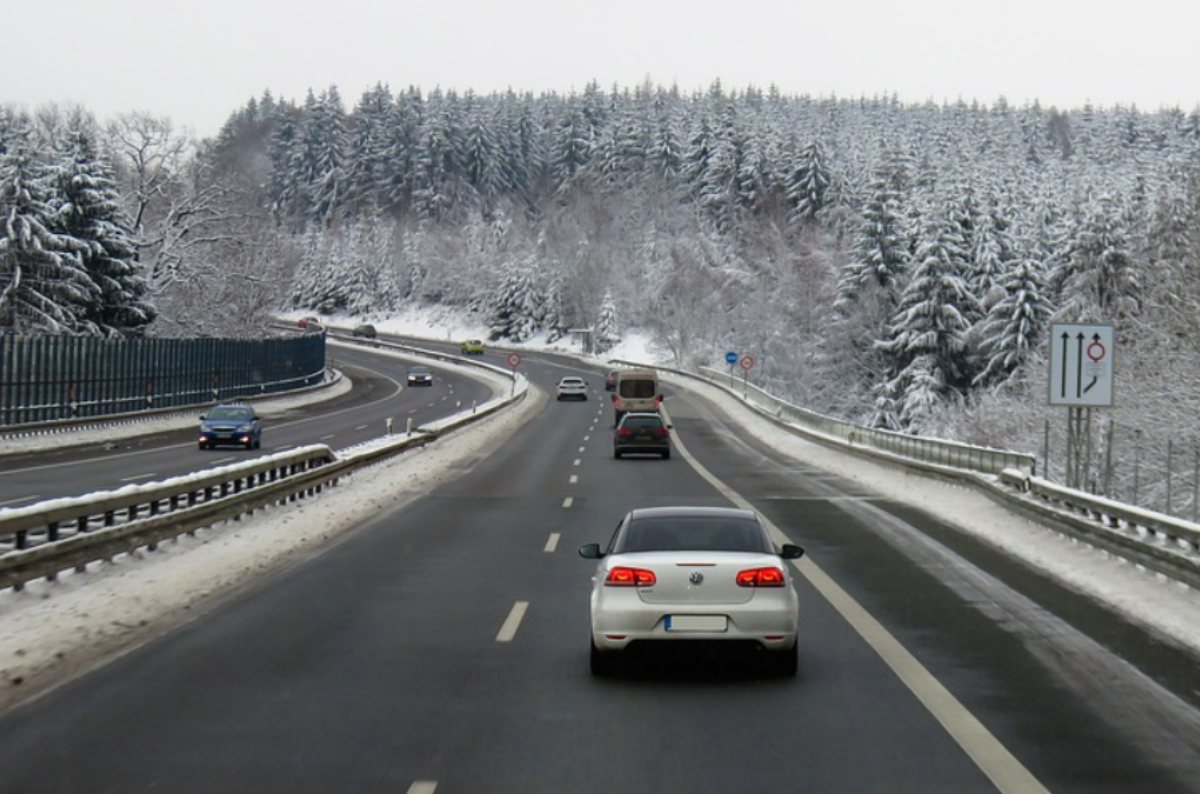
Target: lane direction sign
pixel 1081 365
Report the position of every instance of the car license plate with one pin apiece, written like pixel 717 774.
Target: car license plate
pixel 695 622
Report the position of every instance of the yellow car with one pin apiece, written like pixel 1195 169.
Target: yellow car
pixel 472 347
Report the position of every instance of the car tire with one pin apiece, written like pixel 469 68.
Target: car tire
pixel 258 443
pixel 666 454
pixel 786 663
pixel 603 664
pixel 617 454
pixel 202 446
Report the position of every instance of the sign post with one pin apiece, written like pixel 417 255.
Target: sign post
pixel 1081 378
pixel 747 365
pixel 514 361
pixel 731 358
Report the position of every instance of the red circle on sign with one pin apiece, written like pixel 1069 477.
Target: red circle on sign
pixel 747 362
pixel 514 360
pixel 1098 354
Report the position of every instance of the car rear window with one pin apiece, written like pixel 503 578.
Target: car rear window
pixel 693 533
pixel 229 412
pixel 638 389
pixel 639 422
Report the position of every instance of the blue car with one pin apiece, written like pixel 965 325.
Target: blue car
pixel 231 424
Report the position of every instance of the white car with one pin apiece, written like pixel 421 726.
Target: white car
pixel 693 573
pixel 572 388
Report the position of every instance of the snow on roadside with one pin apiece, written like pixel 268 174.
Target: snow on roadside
pixel 1165 607
pixel 52 630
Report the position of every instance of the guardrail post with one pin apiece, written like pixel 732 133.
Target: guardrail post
pixel 389 425
pixel 472 406
pixel 408 427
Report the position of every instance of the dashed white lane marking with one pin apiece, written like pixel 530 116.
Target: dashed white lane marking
pixel 576 462
pixel 423 787
pixel 581 449
pixel 20 499
pixel 361 427
pixel 993 759
pixel 587 438
pixel 137 477
pixel 574 479
pixel 570 500
pixel 326 438
pixel 552 542
pixel 512 622
pixel 413 411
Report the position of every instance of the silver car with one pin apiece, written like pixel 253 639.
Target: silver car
pixel 572 388
pixel 685 574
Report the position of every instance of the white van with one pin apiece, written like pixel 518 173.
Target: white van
pixel 636 392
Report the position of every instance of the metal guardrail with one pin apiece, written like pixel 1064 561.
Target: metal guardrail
pixel 936 451
pixel 1161 542
pixel 44 539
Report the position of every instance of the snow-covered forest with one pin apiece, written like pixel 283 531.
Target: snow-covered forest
pixel 888 263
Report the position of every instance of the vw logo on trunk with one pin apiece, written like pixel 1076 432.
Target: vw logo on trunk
pixel 695 577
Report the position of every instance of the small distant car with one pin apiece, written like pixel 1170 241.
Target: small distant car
pixel 230 424
pixel 610 379
pixel 366 331
pixel 572 388
pixel 472 347
pixel 646 434
pixel 691 575
pixel 420 376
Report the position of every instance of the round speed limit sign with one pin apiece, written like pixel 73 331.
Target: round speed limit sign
pixel 747 362
pixel 514 360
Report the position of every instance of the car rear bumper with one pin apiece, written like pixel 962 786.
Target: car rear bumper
pixel 770 621
pixel 642 447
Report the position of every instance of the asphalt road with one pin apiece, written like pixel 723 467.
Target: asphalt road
pixel 379 393
pixel 443 646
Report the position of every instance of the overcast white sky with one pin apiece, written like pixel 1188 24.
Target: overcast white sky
pixel 196 62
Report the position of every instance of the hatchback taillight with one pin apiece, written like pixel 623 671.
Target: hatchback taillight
pixel 622 576
pixel 624 432
pixel 760 577
pixel 661 432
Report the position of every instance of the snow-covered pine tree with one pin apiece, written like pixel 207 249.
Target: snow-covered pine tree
pixel 926 338
pixel 607 332
pixel 514 306
pixel 808 183
pixel 881 251
pixel 326 136
pixel 91 212
pixel 1016 325
pixel 44 286
pixel 1099 281
pixel 572 148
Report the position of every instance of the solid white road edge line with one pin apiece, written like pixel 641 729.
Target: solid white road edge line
pixel 552 542
pixel 512 622
pixel 993 758
pixel 19 499
pixel 137 477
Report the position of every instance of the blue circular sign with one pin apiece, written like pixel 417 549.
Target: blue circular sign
pixel 731 357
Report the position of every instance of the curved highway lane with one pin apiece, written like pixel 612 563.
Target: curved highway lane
pixel 379 393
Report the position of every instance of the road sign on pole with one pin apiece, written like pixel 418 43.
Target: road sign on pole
pixel 731 357
pixel 1081 365
pixel 747 362
pixel 514 360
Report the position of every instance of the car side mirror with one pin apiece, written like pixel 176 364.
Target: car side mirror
pixel 590 551
pixel 791 551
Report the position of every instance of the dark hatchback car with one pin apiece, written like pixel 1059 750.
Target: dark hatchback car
pixel 642 433
pixel 420 376
pixel 610 380
pixel 230 424
pixel 366 331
